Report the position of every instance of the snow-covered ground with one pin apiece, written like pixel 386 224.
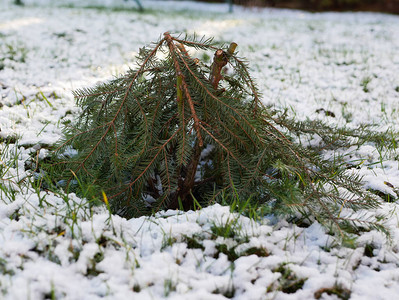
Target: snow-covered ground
pixel 342 68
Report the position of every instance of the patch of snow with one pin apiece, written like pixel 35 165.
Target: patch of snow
pixel 60 245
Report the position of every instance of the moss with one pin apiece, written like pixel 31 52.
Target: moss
pixel 338 291
pixel 228 293
pixel 3 268
pixel 136 288
pixel 93 271
pixel 230 252
pixel 261 252
pixel 368 250
pixel 192 243
pixel 288 283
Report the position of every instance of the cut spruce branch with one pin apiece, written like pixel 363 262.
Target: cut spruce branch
pixel 175 131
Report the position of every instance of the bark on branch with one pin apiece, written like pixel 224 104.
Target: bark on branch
pixel 220 59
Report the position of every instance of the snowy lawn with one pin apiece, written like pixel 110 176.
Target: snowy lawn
pixel 340 68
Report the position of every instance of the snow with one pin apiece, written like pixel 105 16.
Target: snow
pixel 54 244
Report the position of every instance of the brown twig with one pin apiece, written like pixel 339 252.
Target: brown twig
pixel 172 48
pixel 219 61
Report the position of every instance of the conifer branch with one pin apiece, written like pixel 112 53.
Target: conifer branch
pixel 147 167
pixel 183 85
pixel 167 132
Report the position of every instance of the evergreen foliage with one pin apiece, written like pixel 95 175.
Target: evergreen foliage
pixel 175 132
